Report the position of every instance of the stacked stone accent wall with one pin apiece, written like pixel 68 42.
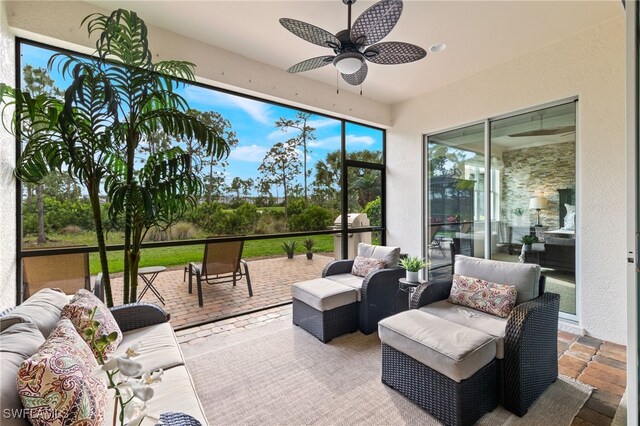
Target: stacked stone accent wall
pixel 543 170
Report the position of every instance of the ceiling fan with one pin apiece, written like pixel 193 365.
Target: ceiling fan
pixel 350 45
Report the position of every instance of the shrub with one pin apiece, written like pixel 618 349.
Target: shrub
pixel 183 231
pixel 373 211
pixel 71 230
pixel 157 234
pixel 313 218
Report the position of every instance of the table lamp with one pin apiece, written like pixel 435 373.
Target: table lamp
pixel 538 203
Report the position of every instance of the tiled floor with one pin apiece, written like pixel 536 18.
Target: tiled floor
pixel 590 361
pixel 271 281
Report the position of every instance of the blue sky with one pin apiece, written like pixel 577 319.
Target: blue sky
pixel 253 121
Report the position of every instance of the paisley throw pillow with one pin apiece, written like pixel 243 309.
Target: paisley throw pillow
pixel 78 312
pixel 56 385
pixel 495 299
pixel 363 265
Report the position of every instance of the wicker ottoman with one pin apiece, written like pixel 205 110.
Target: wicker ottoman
pixel 325 308
pixel 447 369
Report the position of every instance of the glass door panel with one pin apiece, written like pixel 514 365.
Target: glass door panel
pixel 533 195
pixel 455 197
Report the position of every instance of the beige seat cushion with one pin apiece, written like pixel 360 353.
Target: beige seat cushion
pixel 17 343
pixel 43 309
pixel 175 393
pixel 390 255
pixel 350 280
pixel 160 348
pixel 456 351
pixel 486 323
pixel 323 294
pixel 524 276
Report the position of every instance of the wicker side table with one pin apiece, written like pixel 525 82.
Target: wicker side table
pixel 177 419
pixel 408 287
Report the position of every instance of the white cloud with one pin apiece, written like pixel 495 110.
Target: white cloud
pixel 251 153
pixel 360 140
pixel 289 132
pixel 333 142
pixel 259 111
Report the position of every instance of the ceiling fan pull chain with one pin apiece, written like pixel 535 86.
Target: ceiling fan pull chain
pixel 360 89
pixel 337 87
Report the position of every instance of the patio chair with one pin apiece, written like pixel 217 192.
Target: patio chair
pixel 68 272
pixel 435 241
pixel 222 263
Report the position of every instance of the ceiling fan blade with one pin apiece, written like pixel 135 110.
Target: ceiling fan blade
pixel 310 33
pixel 311 64
pixel 394 52
pixel 545 132
pixel 376 22
pixel 357 77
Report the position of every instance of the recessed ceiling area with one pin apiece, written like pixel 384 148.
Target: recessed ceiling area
pixel 478 34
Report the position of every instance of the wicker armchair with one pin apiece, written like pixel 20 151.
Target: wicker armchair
pixel 379 293
pixel 530 362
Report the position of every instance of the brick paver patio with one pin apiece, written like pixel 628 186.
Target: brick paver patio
pixel 271 281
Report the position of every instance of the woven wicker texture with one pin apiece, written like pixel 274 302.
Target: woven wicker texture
pixel 326 325
pixel 177 419
pixel 453 403
pixel 137 315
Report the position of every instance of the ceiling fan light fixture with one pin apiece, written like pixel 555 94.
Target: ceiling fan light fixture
pixel 438 47
pixel 348 62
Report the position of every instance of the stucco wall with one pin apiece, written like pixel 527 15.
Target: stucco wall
pixel 58 23
pixel 589 64
pixel 7 182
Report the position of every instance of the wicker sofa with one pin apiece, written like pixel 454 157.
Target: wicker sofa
pixel 525 361
pixel 25 327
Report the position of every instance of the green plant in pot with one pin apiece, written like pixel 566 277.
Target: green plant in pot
pixel 289 247
pixel 308 244
pixel 413 265
pixel 528 240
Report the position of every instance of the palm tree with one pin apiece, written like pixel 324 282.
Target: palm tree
pixel 115 102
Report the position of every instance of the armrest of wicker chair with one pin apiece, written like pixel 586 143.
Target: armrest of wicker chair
pixel 338 267
pixel 98 287
pixel 430 292
pixel 530 351
pixel 378 297
pixel 137 315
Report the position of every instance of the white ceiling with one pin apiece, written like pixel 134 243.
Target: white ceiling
pixel 478 34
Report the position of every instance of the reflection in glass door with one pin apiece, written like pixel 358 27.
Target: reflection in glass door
pixel 455 197
pixel 534 203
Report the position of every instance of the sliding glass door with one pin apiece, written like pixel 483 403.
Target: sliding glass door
pixel 519 207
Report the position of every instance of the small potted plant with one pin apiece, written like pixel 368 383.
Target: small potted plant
pixel 308 244
pixel 528 240
pixel 289 247
pixel 413 265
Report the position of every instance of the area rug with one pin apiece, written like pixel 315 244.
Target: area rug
pixel 278 374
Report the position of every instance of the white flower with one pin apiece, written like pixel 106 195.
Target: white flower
pixel 128 367
pixel 112 364
pixel 151 378
pixel 135 412
pixel 133 350
pixel 142 392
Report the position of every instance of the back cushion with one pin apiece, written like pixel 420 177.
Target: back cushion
pixel 17 343
pixel 524 276
pixel 43 309
pixel 390 255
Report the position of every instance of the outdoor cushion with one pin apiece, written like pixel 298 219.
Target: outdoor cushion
pixel 451 349
pixel 42 308
pixel 159 347
pixel 524 276
pixel 17 343
pixel 363 265
pixel 175 393
pixel 486 323
pixel 390 255
pixel 350 280
pixel 323 294
pixel 78 312
pixel 485 296
pixel 56 384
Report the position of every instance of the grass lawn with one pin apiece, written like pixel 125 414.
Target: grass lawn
pixel 178 256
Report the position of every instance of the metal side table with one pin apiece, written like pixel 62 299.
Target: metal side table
pixel 149 275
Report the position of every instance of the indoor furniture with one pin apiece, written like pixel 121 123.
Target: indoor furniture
pixel 222 263
pixel 447 384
